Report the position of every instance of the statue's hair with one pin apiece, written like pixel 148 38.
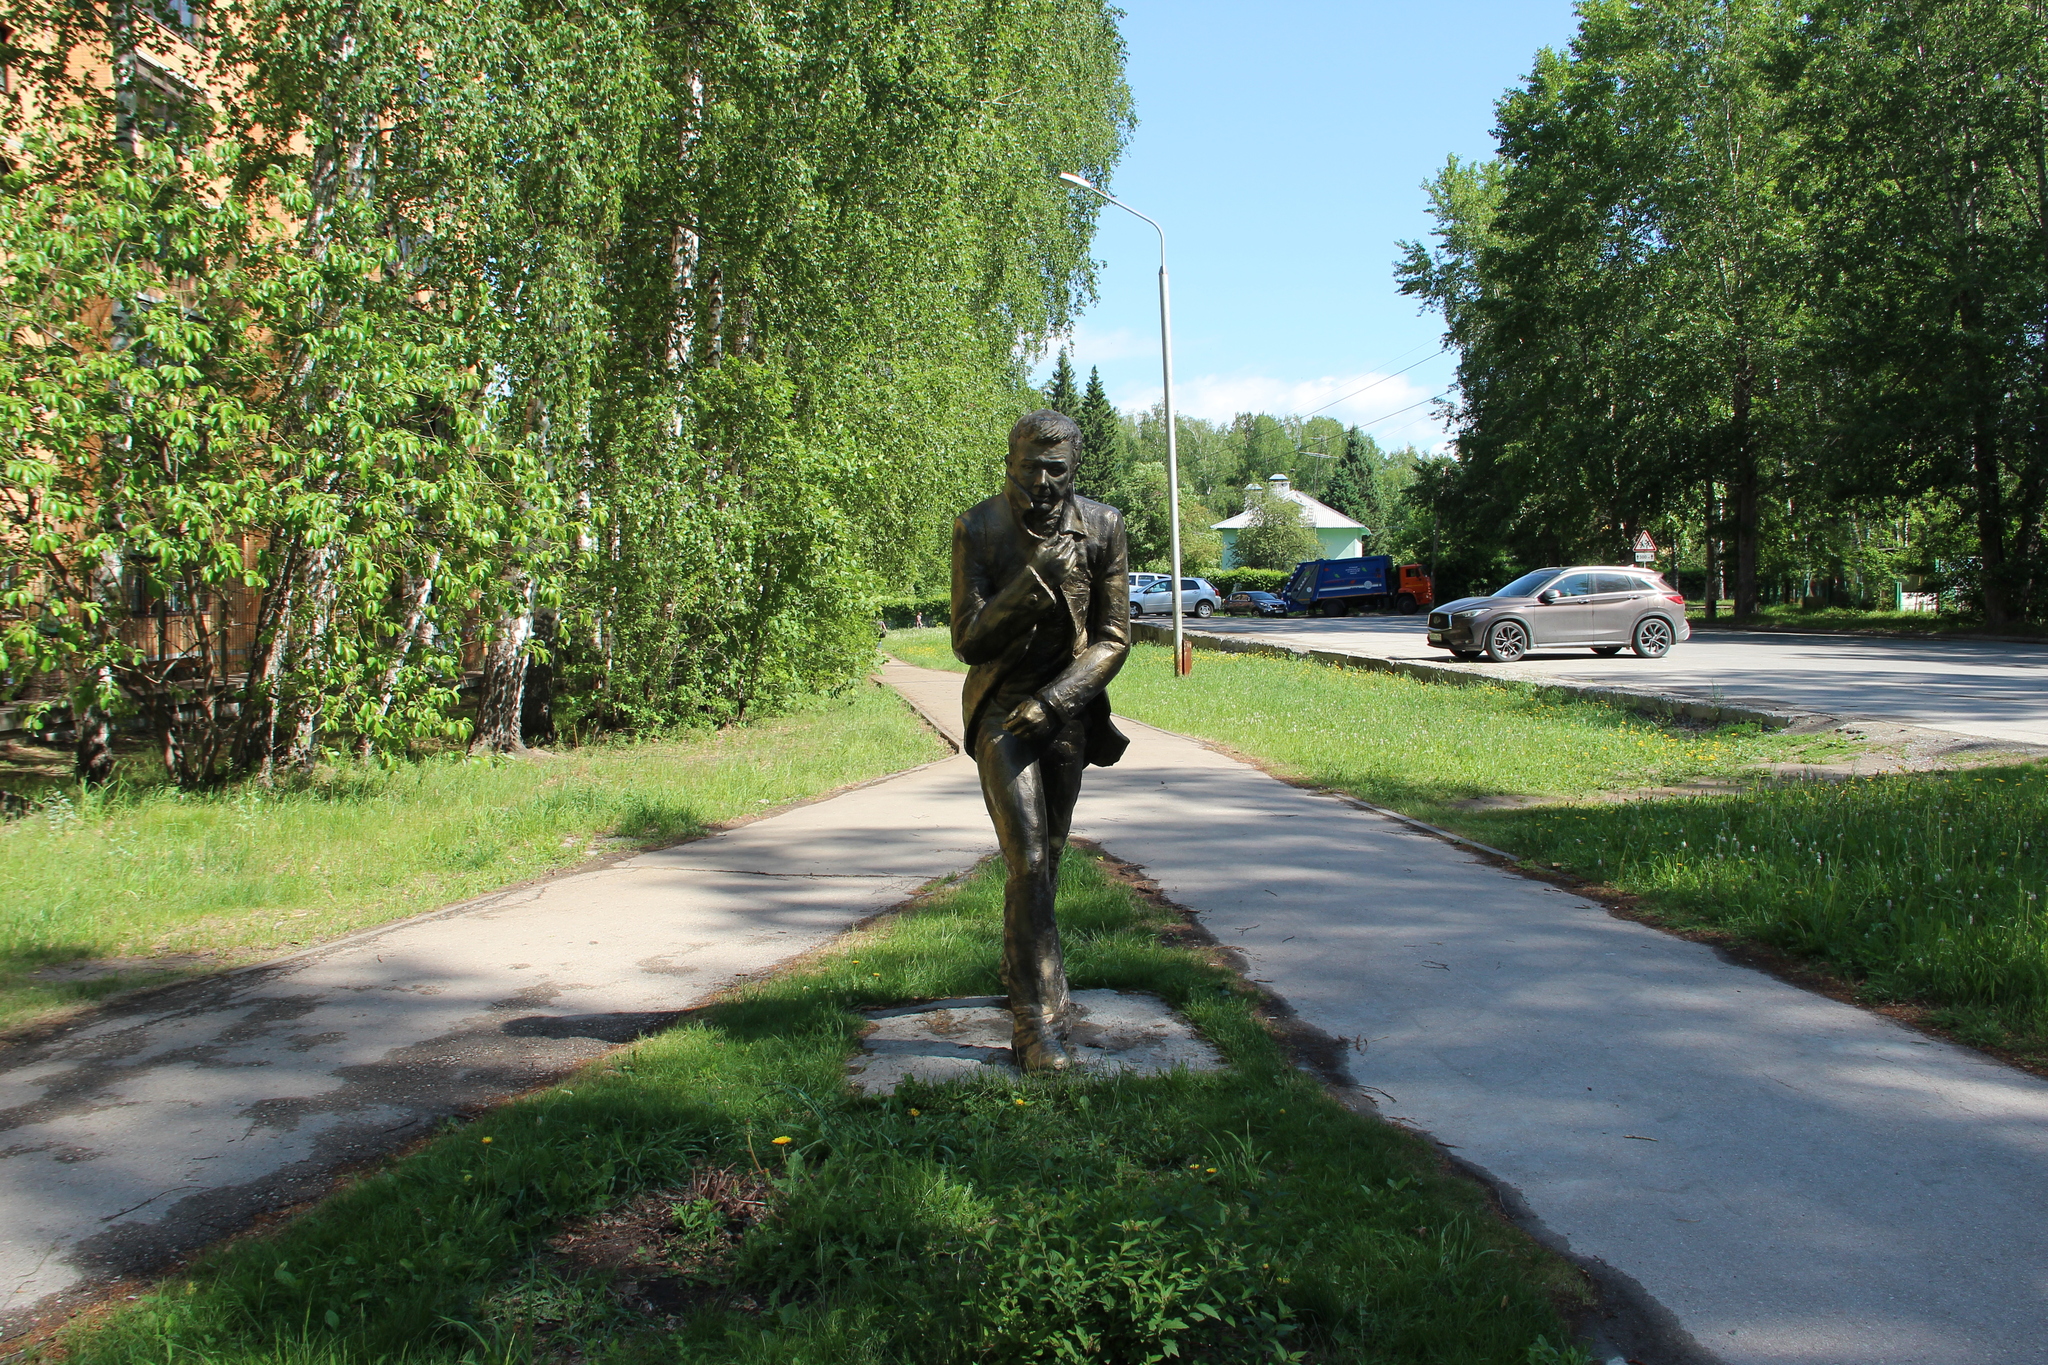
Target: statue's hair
pixel 1044 426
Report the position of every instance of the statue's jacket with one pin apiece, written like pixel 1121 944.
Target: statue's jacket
pixel 1003 607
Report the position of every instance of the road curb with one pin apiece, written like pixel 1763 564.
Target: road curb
pixel 1663 704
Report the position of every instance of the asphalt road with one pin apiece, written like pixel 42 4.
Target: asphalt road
pixel 1973 687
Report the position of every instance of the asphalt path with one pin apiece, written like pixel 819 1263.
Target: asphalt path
pixel 1973 687
pixel 1784 1179
pixel 1768 1176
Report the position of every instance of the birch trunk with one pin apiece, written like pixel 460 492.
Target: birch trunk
pixel 504 683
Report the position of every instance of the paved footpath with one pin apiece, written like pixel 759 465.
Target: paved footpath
pixel 165 1124
pixel 1791 1179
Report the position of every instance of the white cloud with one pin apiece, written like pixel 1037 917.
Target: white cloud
pixel 1393 408
pixel 1092 346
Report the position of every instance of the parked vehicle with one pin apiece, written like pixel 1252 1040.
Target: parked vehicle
pixel 1336 587
pixel 1197 598
pixel 1602 608
pixel 1144 579
pixel 1256 604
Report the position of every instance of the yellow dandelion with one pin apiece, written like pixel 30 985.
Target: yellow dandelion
pixel 915 1112
pixel 1020 1102
pixel 486 1139
pixel 782 1142
pixel 1210 1171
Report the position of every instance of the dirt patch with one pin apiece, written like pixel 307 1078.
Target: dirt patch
pixel 644 1264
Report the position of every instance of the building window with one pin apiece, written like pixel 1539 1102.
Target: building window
pixel 159 107
pixel 185 16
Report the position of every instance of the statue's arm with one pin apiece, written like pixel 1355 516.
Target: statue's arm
pixel 986 619
pixel 1109 628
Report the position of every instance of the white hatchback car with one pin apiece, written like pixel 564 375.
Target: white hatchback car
pixel 1198 597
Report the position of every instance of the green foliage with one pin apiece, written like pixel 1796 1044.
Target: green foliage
pixel 1104 462
pixel 1355 483
pixel 1233 1216
pixel 1252 580
pixel 1677 297
pixel 1062 395
pixel 637 337
pixel 1278 535
pixel 900 613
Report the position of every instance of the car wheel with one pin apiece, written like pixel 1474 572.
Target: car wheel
pixel 1465 656
pixel 1205 608
pixel 1405 604
pixel 1607 649
pixel 1333 609
pixel 1137 610
pixel 1507 641
pixel 1652 638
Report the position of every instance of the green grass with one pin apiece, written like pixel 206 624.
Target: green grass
pixel 141 875
pixel 1924 889
pixel 1418 747
pixel 1220 1217
pixel 1852 620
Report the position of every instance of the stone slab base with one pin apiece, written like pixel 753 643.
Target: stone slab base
pixel 949 1040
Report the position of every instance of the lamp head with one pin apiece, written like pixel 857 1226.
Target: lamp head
pixel 1073 179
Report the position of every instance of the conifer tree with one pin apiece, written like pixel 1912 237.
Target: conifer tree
pixel 1102 457
pixel 1061 395
pixel 1355 483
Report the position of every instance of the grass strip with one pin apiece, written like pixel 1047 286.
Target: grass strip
pixel 1233 1216
pixel 1921 889
pixel 144 874
pixel 1421 748
pixel 1854 620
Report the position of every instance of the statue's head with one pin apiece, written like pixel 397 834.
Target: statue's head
pixel 1044 448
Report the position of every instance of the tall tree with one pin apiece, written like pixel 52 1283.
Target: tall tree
pixel 668 323
pixel 1061 395
pixel 1620 285
pixel 1354 486
pixel 1924 127
pixel 1101 475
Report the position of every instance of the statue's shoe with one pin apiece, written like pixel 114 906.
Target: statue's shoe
pixel 1039 1047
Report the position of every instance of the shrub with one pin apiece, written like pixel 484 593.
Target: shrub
pixel 1252 580
pixel 901 613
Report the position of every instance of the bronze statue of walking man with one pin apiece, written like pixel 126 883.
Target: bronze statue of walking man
pixel 1041 613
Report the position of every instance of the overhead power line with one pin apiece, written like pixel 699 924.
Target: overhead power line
pixel 1398 411
pixel 1377 382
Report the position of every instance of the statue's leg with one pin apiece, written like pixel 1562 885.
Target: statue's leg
pixel 1013 783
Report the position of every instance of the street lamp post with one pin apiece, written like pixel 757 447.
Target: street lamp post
pixel 1180 654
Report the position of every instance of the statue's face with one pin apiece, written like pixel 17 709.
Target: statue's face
pixel 1043 471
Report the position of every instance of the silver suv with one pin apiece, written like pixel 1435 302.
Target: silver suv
pixel 1597 607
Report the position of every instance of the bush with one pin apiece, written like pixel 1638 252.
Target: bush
pixel 1277 536
pixel 1252 580
pixel 901 613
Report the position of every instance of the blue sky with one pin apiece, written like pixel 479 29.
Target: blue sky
pixel 1283 146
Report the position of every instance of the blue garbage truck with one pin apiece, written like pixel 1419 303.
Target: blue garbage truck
pixel 1338 587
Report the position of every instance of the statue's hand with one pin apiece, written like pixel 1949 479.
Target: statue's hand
pixel 1031 719
pixel 1056 557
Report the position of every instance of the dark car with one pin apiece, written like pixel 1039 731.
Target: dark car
pixel 1255 604
pixel 1602 608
